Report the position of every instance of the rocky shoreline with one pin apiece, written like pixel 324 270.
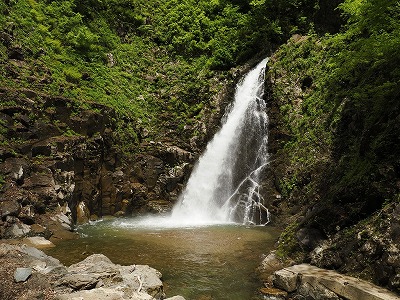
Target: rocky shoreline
pixel 28 273
pixel 287 280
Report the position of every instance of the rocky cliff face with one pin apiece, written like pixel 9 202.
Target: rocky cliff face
pixel 56 155
pixel 53 155
pixel 62 162
pixel 337 215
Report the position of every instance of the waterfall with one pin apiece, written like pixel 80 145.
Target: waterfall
pixel 224 185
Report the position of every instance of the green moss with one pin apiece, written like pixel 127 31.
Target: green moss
pixel 72 74
pixel 70 132
pixel 143 59
pixel 338 98
pixel 287 241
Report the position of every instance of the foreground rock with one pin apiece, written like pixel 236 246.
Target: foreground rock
pixel 269 265
pixel 28 273
pixel 22 274
pixel 315 283
pixel 38 242
pixel 97 277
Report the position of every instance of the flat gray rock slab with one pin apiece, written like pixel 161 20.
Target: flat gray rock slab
pixel 22 274
pixel 345 286
pixel 39 242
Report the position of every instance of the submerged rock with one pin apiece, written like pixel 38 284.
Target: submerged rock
pixel 104 294
pixel 273 293
pixel 176 298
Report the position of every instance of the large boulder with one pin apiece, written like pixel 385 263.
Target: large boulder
pixel 286 279
pixel 30 272
pixel 99 275
pixel 9 208
pixel 320 284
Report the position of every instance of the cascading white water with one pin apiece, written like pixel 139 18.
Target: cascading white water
pixel 224 185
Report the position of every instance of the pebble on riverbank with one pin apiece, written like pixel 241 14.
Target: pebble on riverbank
pixel 22 274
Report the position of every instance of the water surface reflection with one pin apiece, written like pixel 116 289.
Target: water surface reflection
pixel 210 262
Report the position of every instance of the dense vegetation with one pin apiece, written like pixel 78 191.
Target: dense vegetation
pixel 343 122
pixel 150 60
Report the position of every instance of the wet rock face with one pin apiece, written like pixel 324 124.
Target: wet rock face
pixel 55 154
pixel 44 151
pixel 371 249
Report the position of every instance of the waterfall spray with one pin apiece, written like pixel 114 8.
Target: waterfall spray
pixel 225 183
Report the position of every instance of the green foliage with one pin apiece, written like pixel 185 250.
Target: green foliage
pixel 288 242
pixel 82 38
pixel 155 62
pixel 72 74
pixel 341 116
pixel 70 132
pixel 128 54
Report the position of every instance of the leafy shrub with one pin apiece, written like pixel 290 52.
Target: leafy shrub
pixel 72 74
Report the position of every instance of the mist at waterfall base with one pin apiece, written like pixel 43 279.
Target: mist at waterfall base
pixel 224 185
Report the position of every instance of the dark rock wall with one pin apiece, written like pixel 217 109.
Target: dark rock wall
pixel 54 153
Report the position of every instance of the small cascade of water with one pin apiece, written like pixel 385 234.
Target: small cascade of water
pixel 225 184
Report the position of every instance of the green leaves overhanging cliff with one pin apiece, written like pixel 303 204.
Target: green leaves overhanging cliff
pixel 339 106
pixel 129 54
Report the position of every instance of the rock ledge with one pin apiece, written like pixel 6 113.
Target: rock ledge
pixel 310 281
